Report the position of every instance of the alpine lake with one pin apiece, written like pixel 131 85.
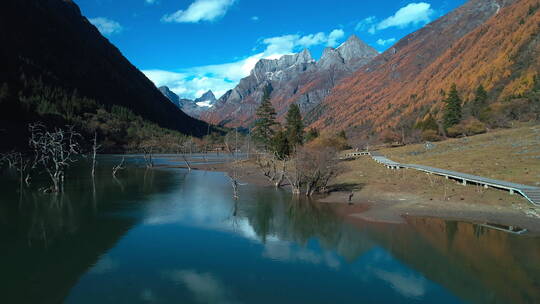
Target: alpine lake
pixel 168 235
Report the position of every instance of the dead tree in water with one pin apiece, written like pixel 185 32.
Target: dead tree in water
pixel 54 152
pixel 148 148
pixel 234 184
pixel 95 148
pixel 310 170
pixel 20 162
pixel 267 165
pixel 183 146
pixel 118 167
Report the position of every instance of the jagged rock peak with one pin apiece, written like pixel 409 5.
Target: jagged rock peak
pixel 208 96
pixel 285 61
pixel 330 57
pixel 355 48
pixel 351 54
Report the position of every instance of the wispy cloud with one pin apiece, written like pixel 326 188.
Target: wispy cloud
pixel 193 82
pixel 411 14
pixel 407 284
pixel 205 287
pixel 200 10
pixel 106 26
pixel 365 23
pixel 385 42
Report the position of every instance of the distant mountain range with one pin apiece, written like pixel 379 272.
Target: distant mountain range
pixel 193 108
pixel 292 78
pixel 48 46
pixel 493 43
pixel 57 67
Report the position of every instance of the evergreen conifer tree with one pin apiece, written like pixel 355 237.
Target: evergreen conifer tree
pixel 294 126
pixel 263 131
pixel 280 145
pixel 452 111
pixel 479 102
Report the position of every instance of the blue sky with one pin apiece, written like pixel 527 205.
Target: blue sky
pixel 196 45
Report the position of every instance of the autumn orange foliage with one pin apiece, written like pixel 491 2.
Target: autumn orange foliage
pixel 409 80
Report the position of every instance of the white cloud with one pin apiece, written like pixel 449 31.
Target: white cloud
pixel 106 26
pixel 366 23
pixel 200 10
pixel 205 287
pixel 334 36
pixel 412 14
pixel 409 285
pixel 385 42
pixel 193 82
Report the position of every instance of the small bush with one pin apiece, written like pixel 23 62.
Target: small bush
pixel 430 135
pixel 469 127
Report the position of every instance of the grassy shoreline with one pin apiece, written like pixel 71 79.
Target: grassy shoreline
pixel 384 195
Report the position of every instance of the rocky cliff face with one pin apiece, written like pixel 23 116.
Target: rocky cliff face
pixel 490 42
pixel 351 55
pixel 293 78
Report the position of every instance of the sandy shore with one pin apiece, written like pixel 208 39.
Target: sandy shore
pixel 384 196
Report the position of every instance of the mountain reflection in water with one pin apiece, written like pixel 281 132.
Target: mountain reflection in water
pixel 170 235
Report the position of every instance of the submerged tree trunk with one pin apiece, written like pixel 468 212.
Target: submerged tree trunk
pixel 281 176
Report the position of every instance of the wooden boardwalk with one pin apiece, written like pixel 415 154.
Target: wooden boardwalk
pixel 531 193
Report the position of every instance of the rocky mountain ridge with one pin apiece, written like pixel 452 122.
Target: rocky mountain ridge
pixel 494 43
pixel 193 108
pixel 308 81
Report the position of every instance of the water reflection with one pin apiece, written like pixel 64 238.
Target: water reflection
pixel 175 236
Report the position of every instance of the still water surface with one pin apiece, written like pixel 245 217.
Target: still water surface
pixel 173 236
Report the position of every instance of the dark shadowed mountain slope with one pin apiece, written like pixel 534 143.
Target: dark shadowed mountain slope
pixel 49 44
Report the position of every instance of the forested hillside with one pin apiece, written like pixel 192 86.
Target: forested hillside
pixel 57 68
pixel 485 45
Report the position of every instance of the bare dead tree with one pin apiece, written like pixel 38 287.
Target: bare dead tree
pixel 20 162
pixel 10 158
pixel 310 170
pixel 185 147
pixel 54 151
pixel 118 167
pixel 294 176
pixel 95 148
pixel 234 184
pixel 267 166
pixel 280 177
pixel 148 147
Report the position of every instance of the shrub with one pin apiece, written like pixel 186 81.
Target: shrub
pixel 469 127
pixel 430 135
pixel 329 140
pixel 388 136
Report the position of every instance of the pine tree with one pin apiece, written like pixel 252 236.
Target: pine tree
pixel 294 126
pixel 281 145
pixel 479 102
pixel 452 111
pixel 263 131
